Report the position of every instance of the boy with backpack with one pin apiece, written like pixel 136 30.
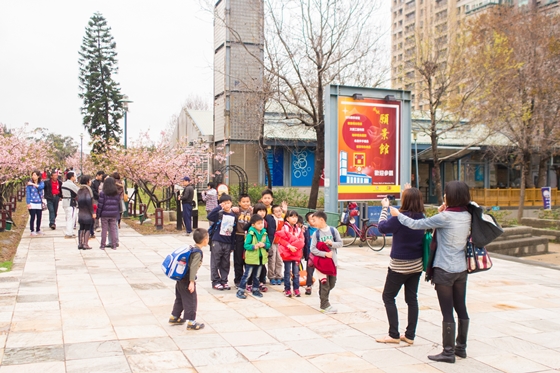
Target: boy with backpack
pixel 256 255
pixel 223 242
pixel 324 244
pixel 244 212
pixel 186 300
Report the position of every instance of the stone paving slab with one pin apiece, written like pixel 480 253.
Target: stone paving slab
pixel 66 310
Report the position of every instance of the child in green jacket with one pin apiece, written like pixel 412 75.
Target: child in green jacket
pixel 256 255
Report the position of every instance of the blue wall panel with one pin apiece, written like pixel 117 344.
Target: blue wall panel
pixel 302 166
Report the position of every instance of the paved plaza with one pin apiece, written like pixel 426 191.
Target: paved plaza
pixel 67 310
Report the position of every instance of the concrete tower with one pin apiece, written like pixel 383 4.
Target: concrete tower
pixel 238 81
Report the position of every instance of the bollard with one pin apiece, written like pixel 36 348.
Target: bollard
pixel 159 218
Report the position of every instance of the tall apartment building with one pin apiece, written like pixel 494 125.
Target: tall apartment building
pixel 438 21
pixel 238 81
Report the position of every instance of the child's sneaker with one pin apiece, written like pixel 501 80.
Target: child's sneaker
pixel 263 288
pixel 218 287
pixel 193 325
pixel 257 294
pixel 296 293
pixel 249 288
pixel 33 234
pixel 241 294
pixel 176 320
pixel 308 290
pixel 288 293
pixel 329 309
pixel 40 233
pixel 226 287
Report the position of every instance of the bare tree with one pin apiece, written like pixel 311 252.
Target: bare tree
pixel 434 70
pixel 197 102
pixel 521 49
pixel 310 44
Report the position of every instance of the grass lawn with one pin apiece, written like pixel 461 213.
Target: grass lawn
pixel 9 240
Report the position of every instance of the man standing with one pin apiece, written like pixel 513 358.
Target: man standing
pixel 53 193
pixel 186 202
pixel 69 203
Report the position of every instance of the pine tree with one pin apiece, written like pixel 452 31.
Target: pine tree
pixel 100 93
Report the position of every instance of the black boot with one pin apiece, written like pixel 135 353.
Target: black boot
pixel 448 353
pixel 80 240
pixel 461 345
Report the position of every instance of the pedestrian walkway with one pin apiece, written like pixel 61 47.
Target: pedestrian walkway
pixel 68 310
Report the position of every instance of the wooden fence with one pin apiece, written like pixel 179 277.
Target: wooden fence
pixel 510 197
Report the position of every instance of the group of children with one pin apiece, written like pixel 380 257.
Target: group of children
pixel 264 238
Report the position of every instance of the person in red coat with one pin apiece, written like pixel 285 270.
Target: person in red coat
pixel 290 245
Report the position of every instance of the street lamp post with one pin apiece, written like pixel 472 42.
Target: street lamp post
pixel 81 154
pixel 125 102
pixel 415 137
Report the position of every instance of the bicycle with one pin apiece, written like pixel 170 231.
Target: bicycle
pixel 349 231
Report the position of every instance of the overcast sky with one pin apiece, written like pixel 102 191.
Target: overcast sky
pixel 164 55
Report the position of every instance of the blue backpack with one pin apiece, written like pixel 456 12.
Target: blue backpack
pixel 175 265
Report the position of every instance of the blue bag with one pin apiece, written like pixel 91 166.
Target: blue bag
pixel 175 265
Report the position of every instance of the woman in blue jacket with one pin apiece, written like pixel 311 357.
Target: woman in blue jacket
pixel 34 200
pixel 405 266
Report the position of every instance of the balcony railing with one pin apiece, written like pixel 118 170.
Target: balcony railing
pixel 510 197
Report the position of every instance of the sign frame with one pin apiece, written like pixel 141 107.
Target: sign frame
pixel 363 97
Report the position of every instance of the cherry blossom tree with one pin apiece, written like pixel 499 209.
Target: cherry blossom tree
pixel 20 154
pixel 155 165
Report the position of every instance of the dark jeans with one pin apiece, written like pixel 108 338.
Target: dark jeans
pixel 325 291
pixel 310 272
pixel 219 262
pixel 187 216
pixel 252 271
pixel 185 301
pixel 52 205
pixel 238 262
pixel 393 285
pixel 35 214
pixel 291 267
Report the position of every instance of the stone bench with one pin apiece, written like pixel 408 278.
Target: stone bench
pixel 519 241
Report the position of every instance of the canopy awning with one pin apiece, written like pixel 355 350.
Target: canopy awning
pixel 445 151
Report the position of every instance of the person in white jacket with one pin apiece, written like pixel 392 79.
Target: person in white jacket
pixel 70 204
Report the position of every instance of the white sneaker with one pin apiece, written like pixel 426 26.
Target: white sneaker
pixel 329 309
pixel 33 234
pixel 40 233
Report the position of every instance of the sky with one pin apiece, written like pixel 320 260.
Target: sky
pixel 164 48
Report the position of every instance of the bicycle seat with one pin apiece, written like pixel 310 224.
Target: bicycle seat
pixel 365 220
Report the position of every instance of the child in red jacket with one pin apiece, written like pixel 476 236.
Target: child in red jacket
pixel 290 244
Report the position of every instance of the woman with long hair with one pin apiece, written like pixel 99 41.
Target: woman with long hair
pixel 108 211
pixel 452 224
pixel 86 212
pixel 34 200
pixel 405 266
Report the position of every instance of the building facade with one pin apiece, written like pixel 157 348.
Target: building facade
pixel 238 81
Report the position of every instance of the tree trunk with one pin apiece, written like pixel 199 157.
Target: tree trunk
pixel 543 171
pixel 525 167
pixel 265 162
pixel 319 166
pixel 437 162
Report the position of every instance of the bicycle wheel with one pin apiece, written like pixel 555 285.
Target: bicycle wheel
pixel 374 239
pixel 347 233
